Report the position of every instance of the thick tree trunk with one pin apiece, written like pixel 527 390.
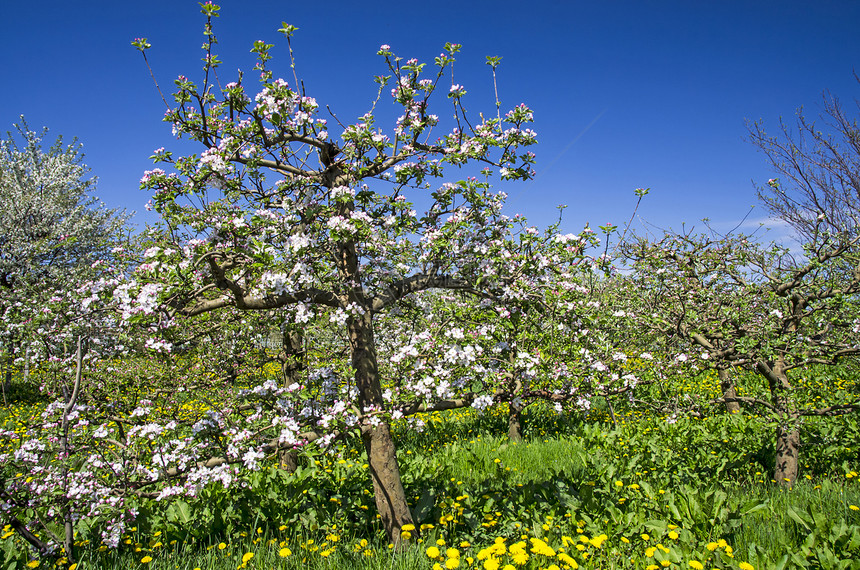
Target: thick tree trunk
pixel 727 385
pixel 387 486
pixel 515 421
pixel 376 433
pixel 787 454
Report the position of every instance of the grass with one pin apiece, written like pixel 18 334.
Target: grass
pixel 697 489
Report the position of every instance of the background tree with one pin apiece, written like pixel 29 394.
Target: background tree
pixel 738 303
pixel 54 236
pixel 818 164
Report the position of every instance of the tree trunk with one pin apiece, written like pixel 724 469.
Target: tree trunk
pixel 515 421
pixel 728 388
pixel 788 432
pixel 376 433
pixel 787 453
pixel 7 376
pixel 7 379
pixel 289 459
pixel 292 365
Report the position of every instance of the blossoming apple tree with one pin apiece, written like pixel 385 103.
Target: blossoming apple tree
pixel 559 331
pixel 287 210
pixel 54 236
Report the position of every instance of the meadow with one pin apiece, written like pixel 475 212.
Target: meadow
pixel 649 490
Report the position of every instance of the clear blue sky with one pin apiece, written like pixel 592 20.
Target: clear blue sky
pixel 626 94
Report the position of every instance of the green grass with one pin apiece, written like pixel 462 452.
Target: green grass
pixel 699 490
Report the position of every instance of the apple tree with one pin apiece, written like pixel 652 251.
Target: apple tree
pixel 284 210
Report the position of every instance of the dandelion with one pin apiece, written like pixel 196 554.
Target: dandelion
pixel 222 546
pixel 746 566
pixel 696 565
pixel 854 507
pixel 146 560
pixel 433 552
pixel 673 535
pixel 564 557
pixel 284 552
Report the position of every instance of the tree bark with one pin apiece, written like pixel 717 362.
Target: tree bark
pixel 292 365
pixel 787 453
pixel 388 489
pixel 788 433
pixel 727 385
pixel 515 421
pixel 11 351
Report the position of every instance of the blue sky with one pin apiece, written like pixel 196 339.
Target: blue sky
pixel 625 94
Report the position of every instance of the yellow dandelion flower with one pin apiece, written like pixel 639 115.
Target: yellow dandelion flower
pixel 222 546
pixel 284 552
pixel 696 565
pixel 433 552
pixel 246 557
pixel 146 560
pixel 746 566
